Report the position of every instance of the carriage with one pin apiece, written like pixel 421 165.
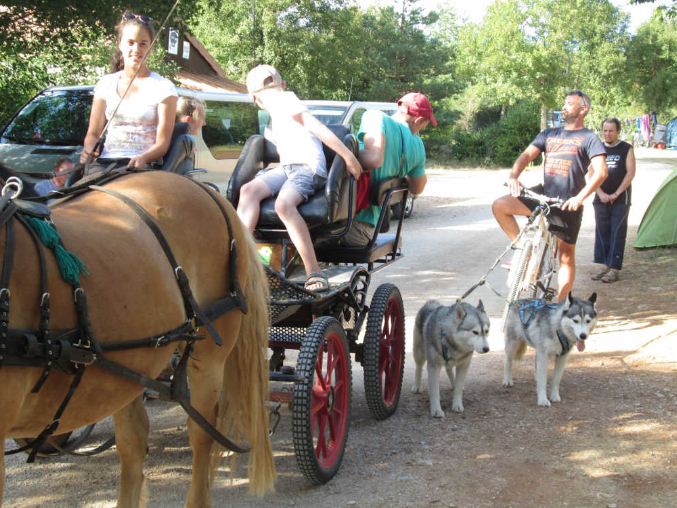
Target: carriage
pixel 321 330
pixel 325 328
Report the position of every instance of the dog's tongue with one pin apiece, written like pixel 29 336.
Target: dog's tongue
pixel 580 345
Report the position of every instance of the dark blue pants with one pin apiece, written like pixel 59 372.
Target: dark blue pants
pixel 611 228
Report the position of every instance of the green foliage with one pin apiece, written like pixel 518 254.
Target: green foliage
pixel 653 59
pixel 36 59
pixel 513 133
pixel 494 144
pixel 331 49
pixel 539 49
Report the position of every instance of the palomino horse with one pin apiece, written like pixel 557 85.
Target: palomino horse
pixel 132 293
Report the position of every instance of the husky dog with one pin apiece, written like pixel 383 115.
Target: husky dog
pixel 447 336
pixel 552 330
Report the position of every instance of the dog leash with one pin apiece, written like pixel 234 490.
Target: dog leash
pixel 483 280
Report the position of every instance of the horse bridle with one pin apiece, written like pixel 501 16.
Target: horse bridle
pixel 73 350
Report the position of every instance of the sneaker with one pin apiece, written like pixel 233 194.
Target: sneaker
pixel 600 275
pixel 611 276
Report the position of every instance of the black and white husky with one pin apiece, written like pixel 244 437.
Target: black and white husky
pixel 552 330
pixel 447 336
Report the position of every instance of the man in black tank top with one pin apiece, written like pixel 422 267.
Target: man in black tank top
pixel 612 203
pixel 570 152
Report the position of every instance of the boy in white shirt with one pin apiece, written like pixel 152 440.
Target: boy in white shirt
pixel 302 169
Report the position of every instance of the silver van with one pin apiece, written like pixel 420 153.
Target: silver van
pixel 347 113
pixel 53 125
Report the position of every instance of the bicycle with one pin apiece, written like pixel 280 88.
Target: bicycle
pixel 538 261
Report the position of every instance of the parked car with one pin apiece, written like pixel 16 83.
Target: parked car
pixel 349 114
pixel 53 124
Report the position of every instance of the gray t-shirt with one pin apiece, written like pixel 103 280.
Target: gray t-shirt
pixel 567 156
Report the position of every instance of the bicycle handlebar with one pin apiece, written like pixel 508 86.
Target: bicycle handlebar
pixel 546 200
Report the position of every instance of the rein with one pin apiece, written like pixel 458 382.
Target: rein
pixel 74 350
pixel 99 141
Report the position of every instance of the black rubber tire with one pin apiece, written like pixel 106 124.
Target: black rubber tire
pixel 396 209
pixel 520 265
pixel 383 353
pixel 321 410
pixel 47 450
pixel 546 271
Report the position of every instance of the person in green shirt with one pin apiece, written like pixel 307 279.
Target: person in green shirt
pixel 390 147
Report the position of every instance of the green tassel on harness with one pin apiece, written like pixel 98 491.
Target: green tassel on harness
pixel 70 266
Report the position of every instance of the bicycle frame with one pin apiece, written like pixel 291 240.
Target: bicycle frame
pixel 532 274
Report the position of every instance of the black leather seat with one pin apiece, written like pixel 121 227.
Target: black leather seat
pixel 178 158
pixel 328 213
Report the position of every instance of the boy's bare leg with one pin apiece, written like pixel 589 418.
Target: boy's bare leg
pixel 249 206
pixel 567 268
pixel 504 209
pixel 286 207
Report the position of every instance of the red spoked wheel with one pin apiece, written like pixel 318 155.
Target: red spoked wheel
pixel 321 407
pixel 383 355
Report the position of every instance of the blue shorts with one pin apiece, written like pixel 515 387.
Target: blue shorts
pixel 299 177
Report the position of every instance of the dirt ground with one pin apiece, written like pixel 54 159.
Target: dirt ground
pixel 611 442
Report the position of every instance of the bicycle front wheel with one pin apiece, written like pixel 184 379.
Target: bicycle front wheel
pixel 518 274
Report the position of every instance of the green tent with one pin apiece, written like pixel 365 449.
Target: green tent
pixel 659 224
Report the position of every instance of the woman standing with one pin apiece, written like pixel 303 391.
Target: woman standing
pixel 612 203
pixel 141 129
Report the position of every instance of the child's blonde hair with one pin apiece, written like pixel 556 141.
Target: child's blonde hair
pixel 188 106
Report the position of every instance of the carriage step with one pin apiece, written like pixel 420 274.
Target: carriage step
pixel 285 378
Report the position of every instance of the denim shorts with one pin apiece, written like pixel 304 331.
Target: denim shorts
pixel 299 177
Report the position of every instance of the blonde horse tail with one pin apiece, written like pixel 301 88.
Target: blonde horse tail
pixel 242 409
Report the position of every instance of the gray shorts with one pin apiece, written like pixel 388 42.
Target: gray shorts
pixel 299 177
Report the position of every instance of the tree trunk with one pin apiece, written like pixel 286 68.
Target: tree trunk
pixel 544 116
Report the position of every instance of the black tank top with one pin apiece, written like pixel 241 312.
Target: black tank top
pixel 616 156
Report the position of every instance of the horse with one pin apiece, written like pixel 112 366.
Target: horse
pixel 132 292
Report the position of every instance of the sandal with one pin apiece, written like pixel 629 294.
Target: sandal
pixel 316 282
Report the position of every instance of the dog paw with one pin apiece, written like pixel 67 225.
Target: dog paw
pixel 544 402
pixel 507 383
pixel 554 397
pixel 437 413
pixel 416 389
pixel 457 408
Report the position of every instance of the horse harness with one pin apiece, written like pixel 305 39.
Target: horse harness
pixel 71 351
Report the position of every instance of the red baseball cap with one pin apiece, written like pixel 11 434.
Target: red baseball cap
pixel 418 105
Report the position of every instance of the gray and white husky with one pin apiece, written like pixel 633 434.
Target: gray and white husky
pixel 552 330
pixel 447 336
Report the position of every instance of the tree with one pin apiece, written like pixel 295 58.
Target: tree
pixel 652 59
pixel 326 48
pixel 541 48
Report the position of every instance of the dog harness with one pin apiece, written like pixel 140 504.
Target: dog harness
pixel 528 309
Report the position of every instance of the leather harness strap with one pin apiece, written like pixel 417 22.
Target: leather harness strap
pixel 73 350
pixel 193 309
